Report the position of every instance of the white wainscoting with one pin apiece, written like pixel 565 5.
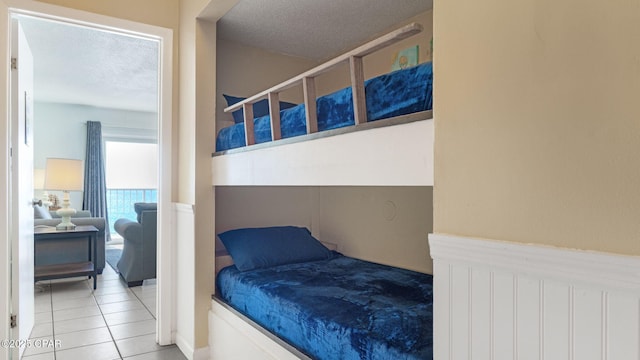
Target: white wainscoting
pixel 501 300
pixel 185 279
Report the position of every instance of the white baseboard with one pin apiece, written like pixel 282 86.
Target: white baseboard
pixel 201 353
pixel 189 352
pixel 185 347
pixel 500 300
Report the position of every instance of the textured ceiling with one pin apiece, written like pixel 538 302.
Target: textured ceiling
pixel 79 65
pixel 314 29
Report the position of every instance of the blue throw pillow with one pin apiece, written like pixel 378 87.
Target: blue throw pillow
pixel 260 109
pixel 257 248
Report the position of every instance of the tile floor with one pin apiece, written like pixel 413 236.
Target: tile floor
pixel 112 322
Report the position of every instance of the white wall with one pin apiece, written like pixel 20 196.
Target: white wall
pixel 504 300
pixel 388 225
pixel 60 131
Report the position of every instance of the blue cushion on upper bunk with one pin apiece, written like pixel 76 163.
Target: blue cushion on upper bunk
pixel 260 109
pixel 397 93
pixel 257 248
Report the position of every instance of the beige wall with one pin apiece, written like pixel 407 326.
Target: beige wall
pixel 380 62
pixel 537 122
pixel 245 71
pixel 253 206
pixel 197 88
pixel 388 225
pixel 153 12
pixel 204 197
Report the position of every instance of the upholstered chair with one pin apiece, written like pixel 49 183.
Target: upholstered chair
pixel 138 261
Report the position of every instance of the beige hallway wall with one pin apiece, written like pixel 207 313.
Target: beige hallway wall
pixel 384 224
pixel 536 122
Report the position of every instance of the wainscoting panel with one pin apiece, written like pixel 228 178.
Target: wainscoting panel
pixel 625 312
pixel 481 310
pixel 503 306
pixel 499 300
pixel 557 314
pixel 185 278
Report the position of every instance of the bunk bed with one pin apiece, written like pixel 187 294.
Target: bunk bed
pixel 322 141
pixel 398 93
pixel 328 305
pixel 367 146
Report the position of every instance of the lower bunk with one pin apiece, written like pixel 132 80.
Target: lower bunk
pixel 233 336
pixel 329 306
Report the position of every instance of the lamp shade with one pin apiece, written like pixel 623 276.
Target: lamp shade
pixel 38 179
pixel 64 175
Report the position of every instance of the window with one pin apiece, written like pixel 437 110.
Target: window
pixel 131 176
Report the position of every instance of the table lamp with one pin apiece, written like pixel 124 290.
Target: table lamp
pixel 38 184
pixel 64 175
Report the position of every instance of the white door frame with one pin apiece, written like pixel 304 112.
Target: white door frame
pixel 5 252
pixel 164 36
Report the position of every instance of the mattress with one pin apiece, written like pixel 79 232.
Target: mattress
pixel 397 93
pixel 341 308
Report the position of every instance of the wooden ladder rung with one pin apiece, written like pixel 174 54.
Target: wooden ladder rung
pixel 357 85
pixel 249 133
pixel 274 114
pixel 310 110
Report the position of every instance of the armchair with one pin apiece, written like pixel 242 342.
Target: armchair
pixel 68 251
pixel 138 261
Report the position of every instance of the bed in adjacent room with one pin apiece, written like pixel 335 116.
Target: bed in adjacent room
pixel 326 305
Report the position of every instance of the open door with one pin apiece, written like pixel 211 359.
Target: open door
pixel 5 273
pixel 21 187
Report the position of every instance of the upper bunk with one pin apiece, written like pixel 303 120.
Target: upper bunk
pixel 373 132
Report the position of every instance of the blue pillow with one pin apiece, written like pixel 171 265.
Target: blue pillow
pixel 260 109
pixel 257 248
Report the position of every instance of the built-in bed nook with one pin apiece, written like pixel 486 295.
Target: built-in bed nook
pixel 323 202
pixel 366 294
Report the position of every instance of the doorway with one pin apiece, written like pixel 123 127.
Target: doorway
pixel 163 37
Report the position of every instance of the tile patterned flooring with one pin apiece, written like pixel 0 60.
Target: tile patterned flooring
pixel 112 322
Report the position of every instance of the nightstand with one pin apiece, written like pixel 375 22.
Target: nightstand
pixel 57 271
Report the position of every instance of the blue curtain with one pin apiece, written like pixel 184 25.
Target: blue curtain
pixel 95 186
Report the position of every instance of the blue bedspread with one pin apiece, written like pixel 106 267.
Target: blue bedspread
pixel 342 308
pixel 398 93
